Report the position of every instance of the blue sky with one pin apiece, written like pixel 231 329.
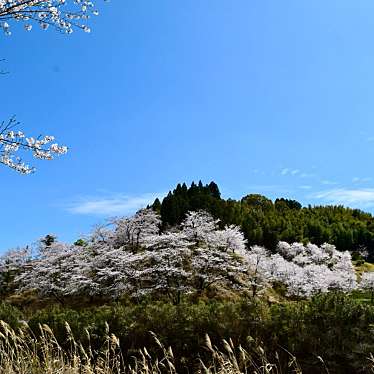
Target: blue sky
pixel 260 96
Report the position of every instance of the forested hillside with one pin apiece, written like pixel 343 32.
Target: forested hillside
pixel 186 273
pixel 266 222
pixel 181 282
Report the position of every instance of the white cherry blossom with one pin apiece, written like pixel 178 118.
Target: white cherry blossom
pixel 13 143
pixel 63 15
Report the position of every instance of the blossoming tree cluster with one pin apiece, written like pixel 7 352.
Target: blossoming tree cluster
pixel 134 256
pixel 305 270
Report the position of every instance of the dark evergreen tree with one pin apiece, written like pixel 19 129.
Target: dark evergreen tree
pixel 214 190
pixel 48 240
pixel 156 206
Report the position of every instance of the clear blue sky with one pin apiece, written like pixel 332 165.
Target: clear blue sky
pixel 272 97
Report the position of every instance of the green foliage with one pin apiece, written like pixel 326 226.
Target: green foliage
pixel 333 326
pixel 48 240
pixel 10 314
pixel 265 223
pixel 183 326
pixel 80 243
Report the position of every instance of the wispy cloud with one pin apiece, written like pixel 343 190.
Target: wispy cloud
pixel 366 136
pixel 361 180
pixel 307 175
pixel 360 198
pixel 273 189
pixel 285 171
pixel 328 182
pixel 257 172
pixel 296 173
pixel 305 187
pixel 288 171
pixel 116 204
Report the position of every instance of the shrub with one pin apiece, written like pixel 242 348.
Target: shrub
pixel 10 314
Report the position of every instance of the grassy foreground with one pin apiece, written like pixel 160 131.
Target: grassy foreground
pixel 331 333
pixel 24 353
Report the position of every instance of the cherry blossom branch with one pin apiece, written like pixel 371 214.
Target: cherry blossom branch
pixel 64 15
pixel 12 141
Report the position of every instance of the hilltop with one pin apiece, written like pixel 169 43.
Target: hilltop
pixel 266 222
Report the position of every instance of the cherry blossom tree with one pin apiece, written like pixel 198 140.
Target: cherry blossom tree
pixel 197 226
pixel 117 272
pixel 229 239
pixel 50 272
pixel 343 275
pixel 217 266
pixel 217 254
pixel 305 270
pixel 99 268
pixel 308 281
pixel 12 264
pixel 134 231
pixel 289 251
pixel 83 270
pixel 168 265
pixel 258 268
pixel 135 258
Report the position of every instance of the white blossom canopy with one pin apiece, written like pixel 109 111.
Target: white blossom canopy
pixel 136 258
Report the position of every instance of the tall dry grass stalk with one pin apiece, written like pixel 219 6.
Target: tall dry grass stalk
pixel 371 363
pixel 238 360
